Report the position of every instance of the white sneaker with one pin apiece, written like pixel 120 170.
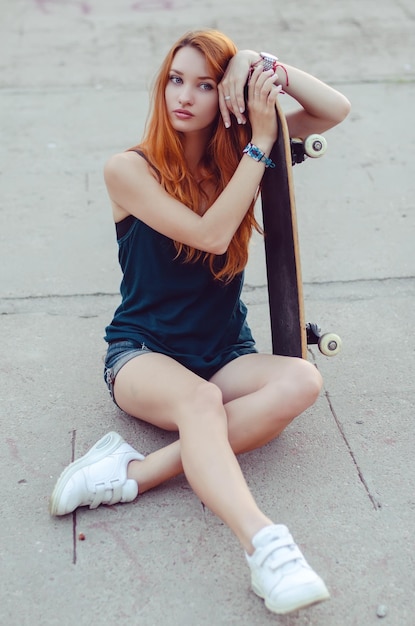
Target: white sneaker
pixel 98 477
pixel 280 574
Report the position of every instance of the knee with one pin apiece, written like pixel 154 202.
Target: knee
pixel 309 381
pixel 206 399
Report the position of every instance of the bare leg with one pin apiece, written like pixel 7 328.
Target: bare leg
pixel 262 394
pixel 247 403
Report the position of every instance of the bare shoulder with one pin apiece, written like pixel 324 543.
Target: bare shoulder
pixel 134 189
pixel 124 175
pixel 119 167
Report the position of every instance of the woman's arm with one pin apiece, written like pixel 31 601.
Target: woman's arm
pixel 322 107
pixel 134 190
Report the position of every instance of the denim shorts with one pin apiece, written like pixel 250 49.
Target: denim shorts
pixel 118 354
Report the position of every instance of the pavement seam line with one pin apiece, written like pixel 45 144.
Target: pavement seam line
pixel 73 441
pixel 376 504
pixel 247 287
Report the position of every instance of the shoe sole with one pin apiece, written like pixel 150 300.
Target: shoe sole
pixel 317 593
pixel 104 447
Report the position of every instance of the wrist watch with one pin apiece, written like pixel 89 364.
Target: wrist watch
pixel 255 153
pixel 269 61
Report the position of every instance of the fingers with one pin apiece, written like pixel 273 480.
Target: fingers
pixel 262 96
pixel 261 86
pixel 232 96
pixel 231 102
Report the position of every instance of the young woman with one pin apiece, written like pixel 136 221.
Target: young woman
pixel 181 355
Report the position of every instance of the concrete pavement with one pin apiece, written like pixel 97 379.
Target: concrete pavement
pixel 73 90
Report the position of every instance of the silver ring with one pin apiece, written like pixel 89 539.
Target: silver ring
pixel 227 97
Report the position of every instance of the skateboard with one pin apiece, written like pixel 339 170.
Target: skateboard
pixel 289 331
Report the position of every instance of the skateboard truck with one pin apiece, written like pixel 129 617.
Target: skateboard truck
pixel 313 146
pixel 329 344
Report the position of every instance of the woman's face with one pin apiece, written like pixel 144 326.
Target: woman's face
pixel 191 92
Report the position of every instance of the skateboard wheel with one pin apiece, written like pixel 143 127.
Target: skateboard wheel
pixel 329 344
pixel 315 146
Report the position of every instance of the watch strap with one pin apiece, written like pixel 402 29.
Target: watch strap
pixel 255 153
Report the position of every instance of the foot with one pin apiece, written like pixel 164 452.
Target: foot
pixel 280 574
pixel 98 477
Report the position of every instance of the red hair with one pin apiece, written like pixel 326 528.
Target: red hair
pixel 163 148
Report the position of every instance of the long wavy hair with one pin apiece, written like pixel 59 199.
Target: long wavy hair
pixel 162 145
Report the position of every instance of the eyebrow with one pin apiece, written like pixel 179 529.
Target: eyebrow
pixel 198 78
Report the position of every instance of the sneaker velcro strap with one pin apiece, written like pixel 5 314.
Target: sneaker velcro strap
pixel 280 552
pixel 116 493
pixel 106 493
pixel 99 495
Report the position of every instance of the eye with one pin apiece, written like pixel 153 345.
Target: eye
pixel 206 86
pixel 176 80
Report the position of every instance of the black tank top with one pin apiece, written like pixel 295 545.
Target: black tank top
pixel 176 308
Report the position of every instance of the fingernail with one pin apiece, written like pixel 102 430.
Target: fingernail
pixel 227 124
pixel 241 109
pixel 239 120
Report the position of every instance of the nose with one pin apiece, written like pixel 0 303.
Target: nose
pixel 186 96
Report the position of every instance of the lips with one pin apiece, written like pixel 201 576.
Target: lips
pixel 183 114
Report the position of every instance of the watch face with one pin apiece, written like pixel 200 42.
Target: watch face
pixel 269 61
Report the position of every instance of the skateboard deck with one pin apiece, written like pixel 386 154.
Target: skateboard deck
pixel 289 331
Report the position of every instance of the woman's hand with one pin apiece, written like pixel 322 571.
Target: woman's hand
pixel 231 88
pixel 262 97
pixel 321 106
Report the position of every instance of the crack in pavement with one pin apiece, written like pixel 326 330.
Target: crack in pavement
pixel 376 503
pixel 400 283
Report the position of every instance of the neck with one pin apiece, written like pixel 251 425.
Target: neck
pixel 194 145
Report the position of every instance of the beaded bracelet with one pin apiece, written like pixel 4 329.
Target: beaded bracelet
pixel 255 153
